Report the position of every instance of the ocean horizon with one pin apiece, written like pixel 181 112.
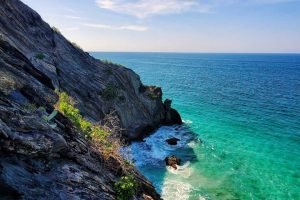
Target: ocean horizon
pixel 241 135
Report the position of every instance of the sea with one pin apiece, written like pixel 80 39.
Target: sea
pixel 241 133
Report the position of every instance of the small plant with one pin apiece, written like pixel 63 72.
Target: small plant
pixel 128 163
pixel 108 62
pixel 56 30
pixel 76 45
pixel 126 187
pixel 153 96
pixel 40 56
pixel 110 92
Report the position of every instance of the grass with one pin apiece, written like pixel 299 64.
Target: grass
pixel 126 187
pixel 108 62
pixel 94 132
pixel 56 30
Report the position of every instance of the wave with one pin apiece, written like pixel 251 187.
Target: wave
pixel 173 189
pixel 186 121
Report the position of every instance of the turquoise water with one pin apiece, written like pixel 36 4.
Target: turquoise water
pixel 241 139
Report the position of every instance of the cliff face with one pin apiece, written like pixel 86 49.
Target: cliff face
pixel 97 87
pixel 38 160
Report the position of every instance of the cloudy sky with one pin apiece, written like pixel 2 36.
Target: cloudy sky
pixel 176 25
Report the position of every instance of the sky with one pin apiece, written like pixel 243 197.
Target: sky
pixel 224 26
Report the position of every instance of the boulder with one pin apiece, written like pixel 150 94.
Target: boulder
pixel 172 161
pixel 172 141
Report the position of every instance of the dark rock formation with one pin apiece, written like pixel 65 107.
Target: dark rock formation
pixel 98 87
pixel 171 115
pixel 172 141
pixel 39 161
pixel 172 161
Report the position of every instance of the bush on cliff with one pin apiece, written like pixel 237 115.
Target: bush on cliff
pixel 126 187
pixel 91 131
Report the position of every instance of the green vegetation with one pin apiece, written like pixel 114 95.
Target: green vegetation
pixel 94 132
pixel 126 187
pixel 110 92
pixel 108 62
pixel 40 56
pixel 56 30
pixel 76 45
pixel 153 96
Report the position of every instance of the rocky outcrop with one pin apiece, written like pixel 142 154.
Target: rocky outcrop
pixel 98 87
pixel 42 161
pixel 171 115
pixel 172 161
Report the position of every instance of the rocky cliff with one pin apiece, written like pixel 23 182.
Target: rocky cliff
pixel 41 161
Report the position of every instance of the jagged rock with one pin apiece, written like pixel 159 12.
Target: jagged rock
pixel 172 141
pixel 171 115
pixel 172 161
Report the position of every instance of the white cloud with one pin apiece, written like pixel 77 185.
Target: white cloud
pixel 123 27
pixel 72 17
pixel 146 8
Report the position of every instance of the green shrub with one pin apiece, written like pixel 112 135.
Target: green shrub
pixel 95 132
pixel 108 62
pixel 126 187
pixel 153 96
pixel 40 56
pixel 110 92
pixel 56 30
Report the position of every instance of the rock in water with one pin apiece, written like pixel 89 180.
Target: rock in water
pixel 172 161
pixel 172 141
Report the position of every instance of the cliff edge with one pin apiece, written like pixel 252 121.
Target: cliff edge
pixel 39 160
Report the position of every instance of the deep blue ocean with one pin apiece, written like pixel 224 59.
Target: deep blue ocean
pixel 241 137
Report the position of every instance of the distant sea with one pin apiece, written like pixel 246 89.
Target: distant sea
pixel 241 138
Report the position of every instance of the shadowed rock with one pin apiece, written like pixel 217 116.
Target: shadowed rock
pixel 172 141
pixel 171 115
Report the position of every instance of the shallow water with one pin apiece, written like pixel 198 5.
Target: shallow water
pixel 242 130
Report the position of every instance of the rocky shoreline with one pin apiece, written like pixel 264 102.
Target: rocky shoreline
pixel 39 160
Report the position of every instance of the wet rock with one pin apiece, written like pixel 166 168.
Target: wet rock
pixel 172 161
pixel 172 141
pixel 171 115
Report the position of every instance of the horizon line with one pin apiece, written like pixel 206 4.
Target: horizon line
pixel 192 52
